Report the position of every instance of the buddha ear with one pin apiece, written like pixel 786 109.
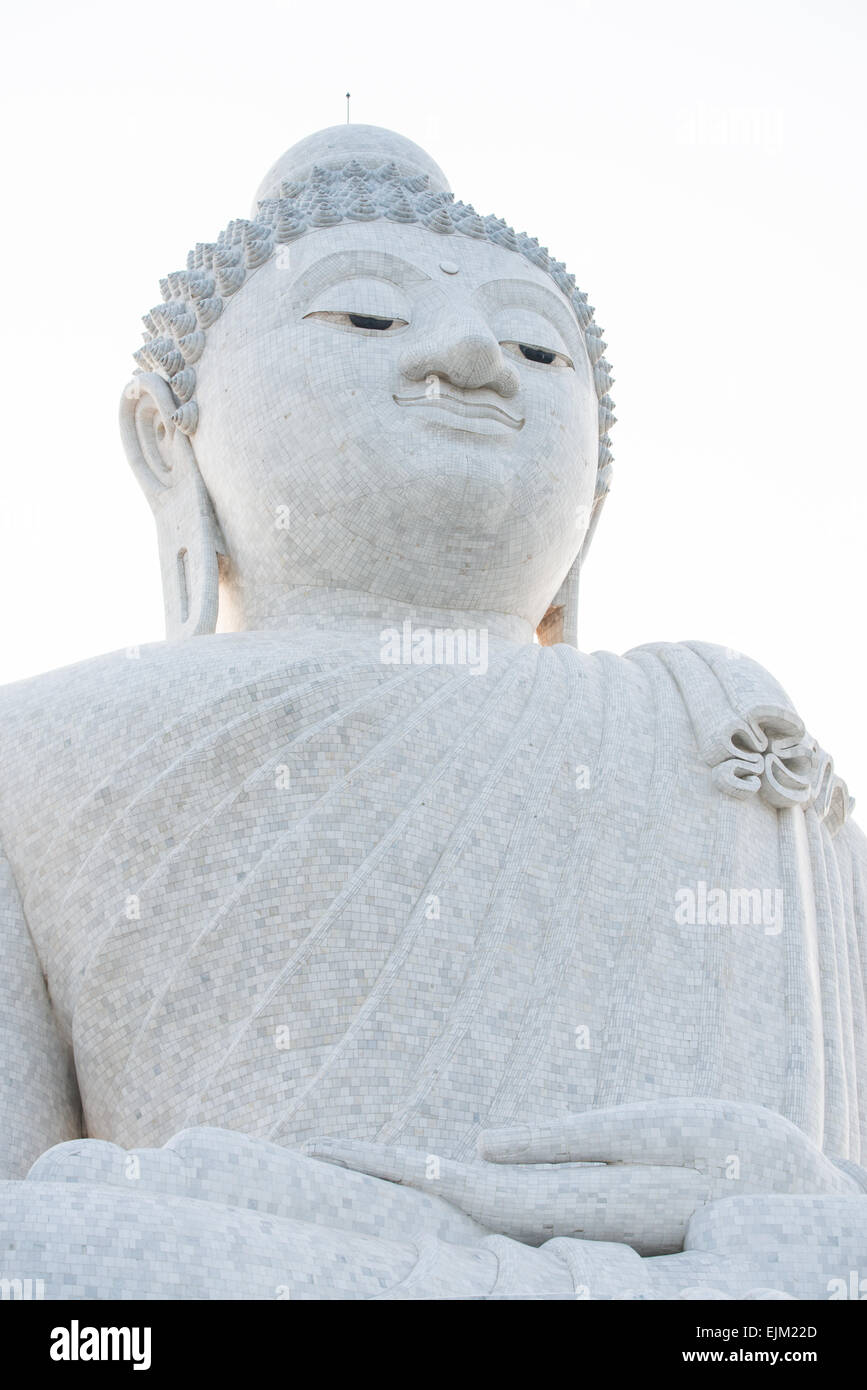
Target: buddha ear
pixel 162 458
pixel 560 623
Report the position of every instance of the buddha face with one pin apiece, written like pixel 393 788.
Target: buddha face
pixel 410 415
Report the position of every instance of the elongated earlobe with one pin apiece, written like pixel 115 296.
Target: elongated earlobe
pixel 560 623
pixel 190 542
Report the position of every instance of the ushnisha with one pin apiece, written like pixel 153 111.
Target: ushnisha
pixel 356 942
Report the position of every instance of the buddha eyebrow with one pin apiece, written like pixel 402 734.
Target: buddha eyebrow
pixel 360 265
pixel 525 291
pixel 526 294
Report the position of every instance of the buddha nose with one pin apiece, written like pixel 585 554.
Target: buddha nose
pixel 465 352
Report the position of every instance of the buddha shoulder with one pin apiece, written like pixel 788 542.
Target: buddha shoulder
pixel 63 731
pixel 746 728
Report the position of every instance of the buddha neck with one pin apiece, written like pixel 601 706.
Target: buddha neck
pixel 323 608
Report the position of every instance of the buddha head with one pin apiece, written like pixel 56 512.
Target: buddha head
pixel 369 390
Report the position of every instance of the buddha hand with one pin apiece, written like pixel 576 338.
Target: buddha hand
pixel 634 1174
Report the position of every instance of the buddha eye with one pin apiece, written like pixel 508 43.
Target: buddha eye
pixel 537 354
pixel 368 321
pixel 546 357
pixel 372 323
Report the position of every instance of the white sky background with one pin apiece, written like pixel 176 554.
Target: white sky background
pixel 699 167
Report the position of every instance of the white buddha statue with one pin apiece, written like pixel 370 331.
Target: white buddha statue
pixel 355 942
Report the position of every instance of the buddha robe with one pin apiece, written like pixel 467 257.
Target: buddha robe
pixel 282 887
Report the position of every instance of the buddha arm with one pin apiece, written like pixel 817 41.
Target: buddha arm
pixel 633 1173
pixel 39 1104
